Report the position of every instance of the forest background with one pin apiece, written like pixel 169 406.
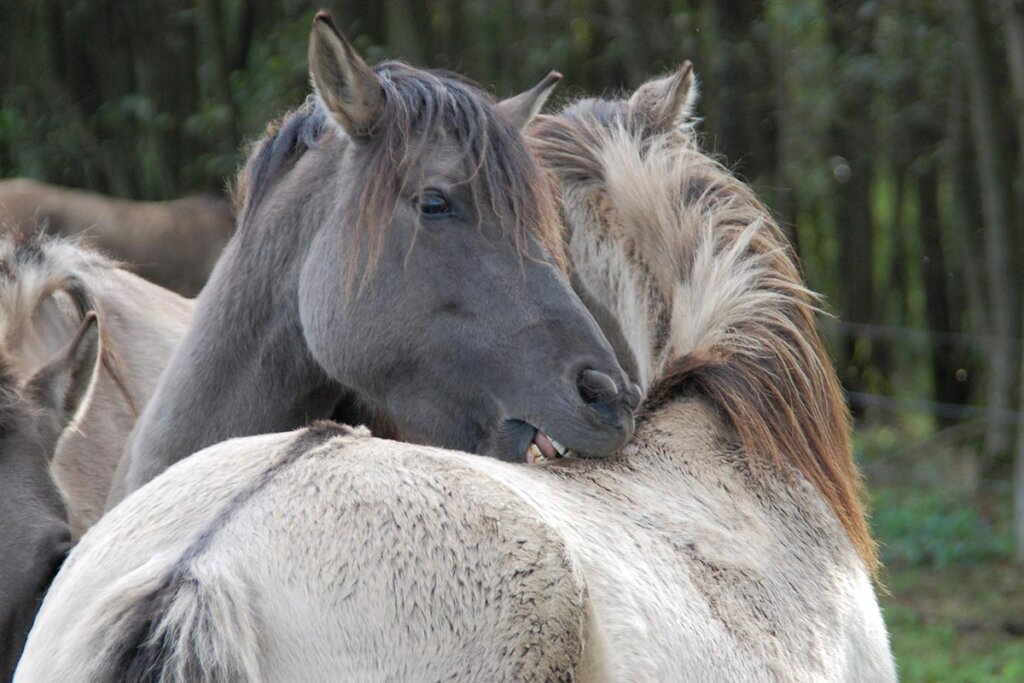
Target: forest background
pixel 887 136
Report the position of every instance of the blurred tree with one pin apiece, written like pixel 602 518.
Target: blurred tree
pixel 998 240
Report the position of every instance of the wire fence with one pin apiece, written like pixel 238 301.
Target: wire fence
pixel 920 337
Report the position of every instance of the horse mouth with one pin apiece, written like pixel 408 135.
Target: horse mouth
pixel 542 448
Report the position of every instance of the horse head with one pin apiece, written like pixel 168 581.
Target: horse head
pixel 434 285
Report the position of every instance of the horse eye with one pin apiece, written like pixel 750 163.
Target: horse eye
pixel 433 204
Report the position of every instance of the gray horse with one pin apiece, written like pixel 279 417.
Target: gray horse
pixel 398 253
pixel 34 534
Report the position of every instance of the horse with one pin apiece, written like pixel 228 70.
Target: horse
pixel 47 287
pixel 172 243
pixel 34 536
pixel 725 542
pixel 397 252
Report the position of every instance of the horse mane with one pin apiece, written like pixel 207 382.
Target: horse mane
pixel 34 267
pixel 727 312
pixel 284 140
pixel 419 106
pixel 13 407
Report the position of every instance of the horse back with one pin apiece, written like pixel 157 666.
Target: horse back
pixel 402 562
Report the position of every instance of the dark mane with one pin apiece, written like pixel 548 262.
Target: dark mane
pixel 284 141
pixel 420 107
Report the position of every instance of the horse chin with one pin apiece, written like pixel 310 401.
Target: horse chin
pixel 519 441
pixel 509 442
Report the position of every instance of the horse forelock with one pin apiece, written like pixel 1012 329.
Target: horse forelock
pixel 715 284
pixel 421 110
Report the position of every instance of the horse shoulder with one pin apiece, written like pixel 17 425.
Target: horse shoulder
pixel 679 542
pixel 427 559
pixel 773 566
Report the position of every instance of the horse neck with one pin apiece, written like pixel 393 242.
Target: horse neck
pixel 705 283
pixel 243 367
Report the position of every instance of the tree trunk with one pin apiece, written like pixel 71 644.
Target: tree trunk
pixel 1013 26
pixel 1018 484
pixel 853 167
pixel 966 218
pixel 999 247
pixel 947 357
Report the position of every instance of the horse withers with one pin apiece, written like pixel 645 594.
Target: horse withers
pixel 398 249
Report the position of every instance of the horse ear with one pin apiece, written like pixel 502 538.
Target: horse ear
pixel 520 109
pixel 62 383
pixel 667 102
pixel 345 83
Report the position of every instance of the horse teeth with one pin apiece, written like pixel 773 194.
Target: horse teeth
pixel 537 455
pixel 562 450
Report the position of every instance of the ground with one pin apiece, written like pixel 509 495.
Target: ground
pixel 962 624
pixel 955 603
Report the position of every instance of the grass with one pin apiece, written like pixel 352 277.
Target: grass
pixel 957 624
pixel 955 608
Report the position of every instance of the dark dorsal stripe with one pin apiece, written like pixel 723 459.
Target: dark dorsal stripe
pixel 140 654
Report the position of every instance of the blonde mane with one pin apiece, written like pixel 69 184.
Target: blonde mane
pixel 706 290
pixel 36 267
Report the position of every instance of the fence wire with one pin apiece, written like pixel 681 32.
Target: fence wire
pixel 905 336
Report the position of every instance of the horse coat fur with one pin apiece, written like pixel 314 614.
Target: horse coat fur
pixel 47 286
pixel 390 600
pixel 707 550
pixel 405 562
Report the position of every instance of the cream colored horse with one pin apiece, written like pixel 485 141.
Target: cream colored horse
pixel 48 286
pixel 726 543
pixel 172 243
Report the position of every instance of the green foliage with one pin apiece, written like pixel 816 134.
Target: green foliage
pixel 952 589
pixel 930 652
pixel 950 625
pixel 933 529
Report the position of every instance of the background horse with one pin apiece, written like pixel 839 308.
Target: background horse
pixel 47 287
pixel 59 471
pixel 397 249
pixel 727 541
pixel 34 535
pixel 172 243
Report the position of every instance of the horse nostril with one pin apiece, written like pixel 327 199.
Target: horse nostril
pixel 595 386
